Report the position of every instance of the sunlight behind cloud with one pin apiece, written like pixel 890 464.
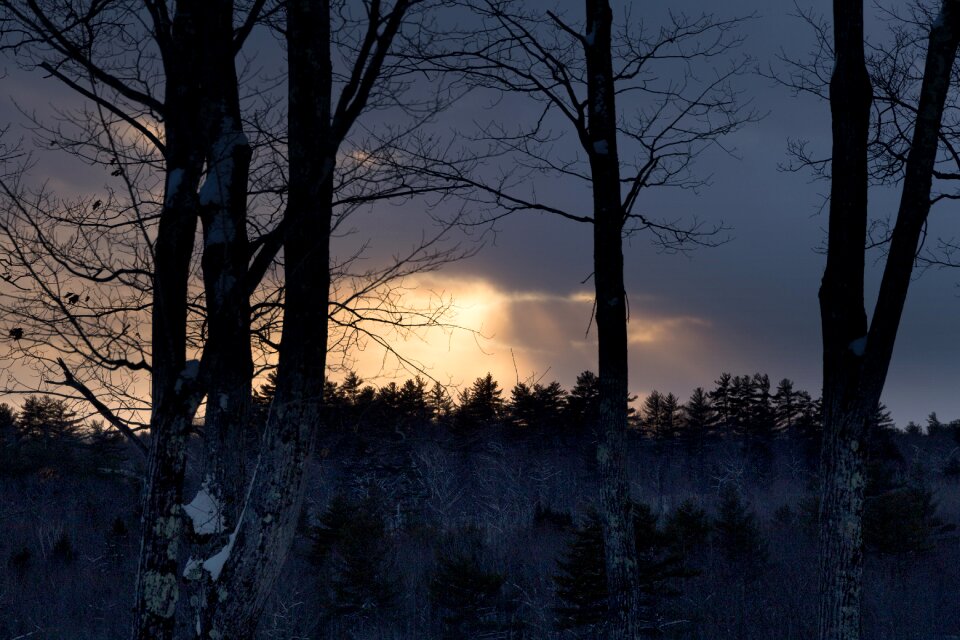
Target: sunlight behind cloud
pixel 529 335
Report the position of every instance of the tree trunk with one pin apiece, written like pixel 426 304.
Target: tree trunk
pixel 173 397
pixel 259 545
pixel 223 212
pixel 611 318
pixel 855 361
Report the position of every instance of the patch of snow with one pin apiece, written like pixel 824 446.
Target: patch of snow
pixel 224 401
pixel 174 178
pixel 216 186
pixel 601 147
pixel 221 230
pixel 191 571
pixel 939 20
pixel 205 511
pixel 858 346
pixel 214 564
pixel 589 37
pixel 190 372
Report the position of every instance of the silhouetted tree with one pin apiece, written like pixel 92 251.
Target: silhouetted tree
pixel 481 404
pixel 698 420
pixel 738 535
pixel 887 126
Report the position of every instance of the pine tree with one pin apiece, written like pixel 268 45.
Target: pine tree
pixel 549 401
pixel 761 424
pixel 720 398
pixel 481 405
pixel 652 414
pixel 48 431
pixel 582 579
pixel 583 403
pixel 413 405
pixel 351 386
pixel 522 407
pixel 581 585
pixel 440 404
pixel 670 415
pixel 469 598
pixel 738 535
pixel 687 528
pixel 698 418
pixel 351 546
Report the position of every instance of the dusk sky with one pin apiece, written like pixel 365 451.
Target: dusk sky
pixel 748 305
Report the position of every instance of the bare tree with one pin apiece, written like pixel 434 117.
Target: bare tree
pixel 577 72
pixel 881 132
pixel 195 136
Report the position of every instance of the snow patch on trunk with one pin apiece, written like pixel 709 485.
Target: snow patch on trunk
pixel 214 564
pixel 174 178
pixel 858 346
pixel 601 147
pixel 216 186
pixel 190 372
pixel 205 511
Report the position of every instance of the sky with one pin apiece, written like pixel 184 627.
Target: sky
pixel 748 305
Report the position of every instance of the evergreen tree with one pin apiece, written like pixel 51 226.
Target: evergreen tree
pixel 522 409
pixel 583 403
pixel 786 405
pixel 481 405
pixel 738 535
pixel 351 386
pixel 721 401
pixel 550 402
pixel 652 414
pixel 413 405
pixel 670 416
pixel 581 585
pixel 687 528
pixel 107 446
pixel 48 431
pixel 440 404
pixel 698 419
pixel 761 423
pixel 351 546
pixel 468 597
pixel 934 426
pixel 8 436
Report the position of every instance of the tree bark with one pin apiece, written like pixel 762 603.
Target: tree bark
pixel 855 361
pixel 611 319
pixel 173 394
pixel 223 212
pixel 266 527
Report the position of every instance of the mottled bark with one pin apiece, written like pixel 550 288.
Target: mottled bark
pixel 611 319
pixel 267 525
pixel 174 396
pixel 855 360
pixel 223 212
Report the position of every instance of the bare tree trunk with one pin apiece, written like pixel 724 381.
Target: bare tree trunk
pixel 611 318
pixel 223 212
pixel 258 547
pixel 173 396
pixel 855 361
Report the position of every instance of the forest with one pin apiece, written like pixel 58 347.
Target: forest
pixel 433 517
pixel 231 229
